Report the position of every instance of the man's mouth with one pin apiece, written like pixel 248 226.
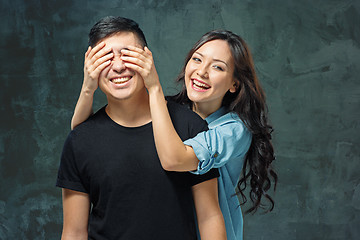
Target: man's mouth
pixel 200 85
pixel 120 80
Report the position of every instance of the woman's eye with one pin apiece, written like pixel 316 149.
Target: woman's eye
pixel 196 59
pixel 218 67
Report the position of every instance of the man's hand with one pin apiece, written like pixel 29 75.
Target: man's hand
pixel 142 62
pixel 96 59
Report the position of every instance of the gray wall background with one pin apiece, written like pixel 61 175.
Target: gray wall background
pixel 307 55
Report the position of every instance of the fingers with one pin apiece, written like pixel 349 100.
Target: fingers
pixel 139 50
pixel 96 72
pixel 134 54
pixel 147 50
pixel 137 65
pixel 96 49
pixel 138 60
pixel 87 52
pixel 136 68
pixel 135 51
pixel 93 54
pixel 96 59
pixel 99 65
pixel 101 60
pixel 148 74
pixel 141 61
pixel 135 60
pixel 138 56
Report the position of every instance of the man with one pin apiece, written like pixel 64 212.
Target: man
pixel 113 184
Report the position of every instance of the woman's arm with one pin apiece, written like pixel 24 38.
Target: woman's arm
pixel 210 219
pixel 173 154
pixel 76 208
pixel 96 59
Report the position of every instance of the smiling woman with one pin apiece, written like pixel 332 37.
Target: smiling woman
pixel 209 76
pixel 220 85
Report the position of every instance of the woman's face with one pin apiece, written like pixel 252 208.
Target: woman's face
pixel 209 75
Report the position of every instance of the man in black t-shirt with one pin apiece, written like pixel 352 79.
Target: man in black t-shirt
pixel 113 184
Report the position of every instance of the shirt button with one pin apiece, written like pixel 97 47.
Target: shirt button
pixel 215 155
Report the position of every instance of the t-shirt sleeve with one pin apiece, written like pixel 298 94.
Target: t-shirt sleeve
pixel 68 173
pixel 212 173
pixel 217 145
pixel 199 126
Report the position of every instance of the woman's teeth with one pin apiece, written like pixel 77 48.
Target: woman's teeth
pixel 120 80
pixel 200 84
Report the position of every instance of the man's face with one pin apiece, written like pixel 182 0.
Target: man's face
pixel 117 81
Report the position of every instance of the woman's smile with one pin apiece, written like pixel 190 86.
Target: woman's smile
pixel 209 75
pixel 200 86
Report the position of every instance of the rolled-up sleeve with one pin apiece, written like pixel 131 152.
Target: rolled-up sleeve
pixel 226 140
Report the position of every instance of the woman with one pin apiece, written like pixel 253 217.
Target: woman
pixel 220 84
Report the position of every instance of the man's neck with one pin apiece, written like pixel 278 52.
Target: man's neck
pixel 132 112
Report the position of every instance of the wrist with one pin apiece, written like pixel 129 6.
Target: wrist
pixel 155 90
pixel 87 91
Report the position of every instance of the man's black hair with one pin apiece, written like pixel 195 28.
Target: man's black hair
pixel 110 25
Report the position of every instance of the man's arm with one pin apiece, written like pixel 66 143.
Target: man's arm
pixel 210 219
pixel 76 208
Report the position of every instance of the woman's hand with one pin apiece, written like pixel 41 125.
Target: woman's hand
pixel 96 59
pixel 142 62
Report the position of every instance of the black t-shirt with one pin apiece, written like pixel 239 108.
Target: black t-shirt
pixel 132 196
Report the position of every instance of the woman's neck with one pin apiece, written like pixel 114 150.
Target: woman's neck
pixel 205 110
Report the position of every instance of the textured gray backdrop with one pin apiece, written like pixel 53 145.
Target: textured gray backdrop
pixel 307 55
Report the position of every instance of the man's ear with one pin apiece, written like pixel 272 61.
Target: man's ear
pixel 234 87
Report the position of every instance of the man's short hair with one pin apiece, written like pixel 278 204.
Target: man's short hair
pixel 110 25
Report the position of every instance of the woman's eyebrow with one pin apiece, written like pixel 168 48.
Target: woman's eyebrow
pixel 214 59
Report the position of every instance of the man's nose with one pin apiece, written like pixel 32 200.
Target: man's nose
pixel 117 64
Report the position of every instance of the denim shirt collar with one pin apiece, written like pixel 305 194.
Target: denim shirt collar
pixel 212 117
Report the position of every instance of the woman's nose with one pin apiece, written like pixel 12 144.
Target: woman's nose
pixel 202 71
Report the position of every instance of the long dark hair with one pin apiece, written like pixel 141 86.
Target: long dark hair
pixel 249 103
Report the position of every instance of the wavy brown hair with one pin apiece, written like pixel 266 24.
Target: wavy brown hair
pixel 249 103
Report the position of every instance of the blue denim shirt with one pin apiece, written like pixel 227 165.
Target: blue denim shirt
pixel 224 146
